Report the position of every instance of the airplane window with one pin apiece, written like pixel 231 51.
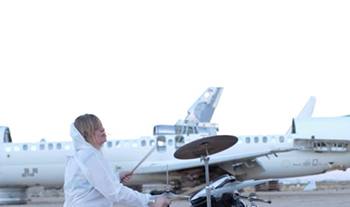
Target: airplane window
pixel 117 143
pixel 256 139
pixel 247 140
pixel 281 139
pixel 25 147
pixel 109 144
pixel 143 143
pixel 67 147
pixel 42 146
pixel 50 146
pixel 151 142
pixel 264 139
pixel 178 129
pixel 190 130
pixel 58 146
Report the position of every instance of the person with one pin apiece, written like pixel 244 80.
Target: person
pixel 89 179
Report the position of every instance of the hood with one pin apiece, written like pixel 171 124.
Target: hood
pixel 78 140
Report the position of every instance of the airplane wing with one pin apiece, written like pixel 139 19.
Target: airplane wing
pixel 240 166
pixel 252 156
pixel 220 160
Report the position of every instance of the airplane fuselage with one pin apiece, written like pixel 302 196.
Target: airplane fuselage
pixel 27 164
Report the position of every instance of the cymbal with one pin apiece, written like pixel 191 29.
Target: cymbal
pixel 205 146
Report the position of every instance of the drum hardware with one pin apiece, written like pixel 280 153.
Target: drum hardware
pixel 225 194
pixel 202 148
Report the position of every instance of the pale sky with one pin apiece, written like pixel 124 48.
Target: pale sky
pixel 140 63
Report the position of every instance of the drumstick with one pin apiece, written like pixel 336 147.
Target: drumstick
pixel 143 159
pixel 138 164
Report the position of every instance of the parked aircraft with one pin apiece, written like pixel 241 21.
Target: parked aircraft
pixel 311 146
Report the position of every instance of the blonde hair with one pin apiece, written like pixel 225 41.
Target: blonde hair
pixel 87 124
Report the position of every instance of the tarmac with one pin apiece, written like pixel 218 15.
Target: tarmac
pixel 324 198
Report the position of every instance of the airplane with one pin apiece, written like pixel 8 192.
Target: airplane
pixel 311 146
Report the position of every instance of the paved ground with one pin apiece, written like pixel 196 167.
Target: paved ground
pixel 338 198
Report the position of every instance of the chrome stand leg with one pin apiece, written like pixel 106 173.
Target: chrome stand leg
pixel 207 188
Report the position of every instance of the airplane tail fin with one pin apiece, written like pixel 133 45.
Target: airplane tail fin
pixel 5 134
pixel 308 109
pixel 198 116
pixel 202 110
pixel 304 114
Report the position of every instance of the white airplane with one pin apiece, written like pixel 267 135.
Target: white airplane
pixel 311 146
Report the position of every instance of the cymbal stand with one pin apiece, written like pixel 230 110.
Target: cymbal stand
pixel 205 158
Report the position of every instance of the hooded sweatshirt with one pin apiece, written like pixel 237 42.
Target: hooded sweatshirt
pixel 90 181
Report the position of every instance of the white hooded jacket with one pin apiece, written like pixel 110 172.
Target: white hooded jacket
pixel 90 181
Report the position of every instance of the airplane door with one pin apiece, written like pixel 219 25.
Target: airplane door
pixel 161 144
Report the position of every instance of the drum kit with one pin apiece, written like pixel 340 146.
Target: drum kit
pixel 207 197
pixel 202 148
